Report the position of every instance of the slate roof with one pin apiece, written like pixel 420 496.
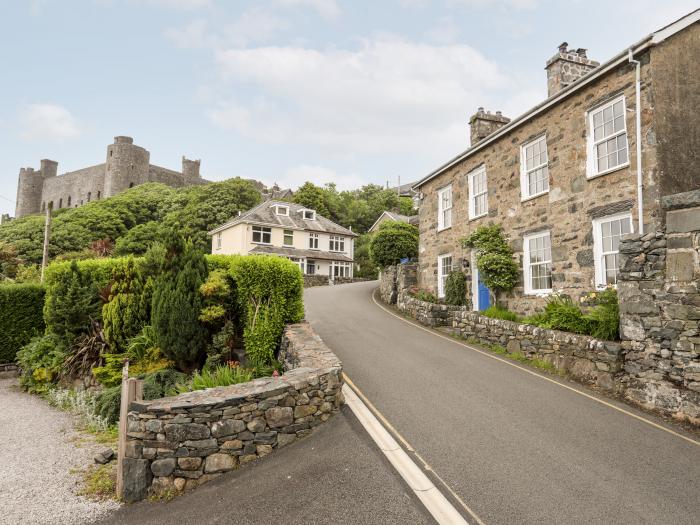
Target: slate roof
pixel 265 214
pixel 295 252
pixel 410 219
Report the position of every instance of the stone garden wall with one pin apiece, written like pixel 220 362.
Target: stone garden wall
pixel 659 294
pixel 315 280
pixel 180 442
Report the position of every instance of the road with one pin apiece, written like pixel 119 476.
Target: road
pixel 513 446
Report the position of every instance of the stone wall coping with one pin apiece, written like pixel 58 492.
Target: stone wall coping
pixel 687 199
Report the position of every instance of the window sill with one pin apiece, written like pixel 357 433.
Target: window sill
pixel 263 243
pixel 478 216
pixel 590 176
pixel 538 293
pixel 443 229
pixel 531 197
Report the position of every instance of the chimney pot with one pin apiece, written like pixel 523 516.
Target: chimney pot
pixel 566 67
pixel 563 46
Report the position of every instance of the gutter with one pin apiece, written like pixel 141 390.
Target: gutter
pixel 638 132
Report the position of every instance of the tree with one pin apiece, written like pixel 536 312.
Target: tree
pixel 494 258
pixel 139 238
pixel 177 304
pixel 311 196
pixel 392 242
pixel 124 315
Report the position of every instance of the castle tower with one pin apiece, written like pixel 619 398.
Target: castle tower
pixel 30 187
pixel 190 170
pixel 127 166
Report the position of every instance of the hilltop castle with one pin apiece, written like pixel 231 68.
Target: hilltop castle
pixel 127 165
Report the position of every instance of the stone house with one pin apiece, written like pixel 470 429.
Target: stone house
pixel 318 245
pixel 573 175
pixel 392 216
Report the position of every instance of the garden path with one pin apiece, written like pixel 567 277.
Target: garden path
pixel 41 453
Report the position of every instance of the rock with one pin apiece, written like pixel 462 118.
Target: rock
pixel 137 478
pixel 257 425
pixel 304 410
pixel 513 346
pixel 233 444
pixel 263 450
pixel 133 449
pixel 266 438
pixel 248 458
pixel 104 457
pixel 278 417
pixel 163 467
pixel 179 484
pixel 228 427
pixel 154 425
pixel 161 485
pixel 202 443
pixel 189 463
pixel 219 463
pixel 285 439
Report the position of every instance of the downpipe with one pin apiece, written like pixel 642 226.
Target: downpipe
pixel 638 131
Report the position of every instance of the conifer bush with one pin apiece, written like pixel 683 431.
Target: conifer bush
pixel 456 289
pixel 21 317
pixel 124 315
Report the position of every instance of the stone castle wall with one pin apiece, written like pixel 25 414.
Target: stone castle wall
pixel 181 442
pixel 127 165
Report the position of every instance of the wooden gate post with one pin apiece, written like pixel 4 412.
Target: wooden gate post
pixel 132 390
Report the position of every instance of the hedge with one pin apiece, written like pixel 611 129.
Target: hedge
pixel 21 317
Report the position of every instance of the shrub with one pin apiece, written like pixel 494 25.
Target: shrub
pixel 494 258
pixel 456 289
pixel 423 295
pixel 222 375
pixel 21 317
pixel 40 361
pixel 124 315
pixel 270 294
pixel 498 312
pixel 177 304
pixel 392 242
pixel 604 318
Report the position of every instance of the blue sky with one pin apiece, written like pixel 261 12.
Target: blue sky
pixel 284 90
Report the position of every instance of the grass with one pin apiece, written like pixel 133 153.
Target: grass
pixel 109 436
pixel 498 312
pixel 222 375
pixel 100 482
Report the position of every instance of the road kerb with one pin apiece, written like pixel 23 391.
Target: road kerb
pixel 433 500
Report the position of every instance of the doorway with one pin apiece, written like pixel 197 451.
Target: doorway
pixel 481 295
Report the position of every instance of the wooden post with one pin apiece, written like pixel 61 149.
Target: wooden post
pixel 47 236
pixel 132 390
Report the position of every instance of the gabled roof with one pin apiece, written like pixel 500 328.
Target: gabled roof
pixel 265 214
pixel 623 56
pixel 393 216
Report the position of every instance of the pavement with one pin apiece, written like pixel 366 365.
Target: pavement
pixel 514 445
pixel 335 476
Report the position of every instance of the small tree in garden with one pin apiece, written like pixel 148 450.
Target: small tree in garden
pixel 456 289
pixel 494 258
pixel 392 242
pixel 177 304
pixel 124 315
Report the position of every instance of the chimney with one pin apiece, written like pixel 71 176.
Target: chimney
pixel 566 67
pixel 483 123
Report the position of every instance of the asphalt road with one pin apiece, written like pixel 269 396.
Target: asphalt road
pixel 335 476
pixel 516 448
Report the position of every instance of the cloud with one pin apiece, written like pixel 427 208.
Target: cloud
pixel 47 121
pixel 319 175
pixel 390 94
pixel 325 8
pixel 185 5
pixel 501 4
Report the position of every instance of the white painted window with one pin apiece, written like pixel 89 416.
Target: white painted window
pixel 607 138
pixel 337 244
pixel 310 267
pixel 262 235
pixel 445 207
pixel 341 269
pixel 478 193
pixel 299 262
pixel 534 173
pixel 288 238
pixel 537 263
pixel 313 241
pixel 282 210
pixel 444 269
pixel 607 232
pixel 309 215
pixel 218 241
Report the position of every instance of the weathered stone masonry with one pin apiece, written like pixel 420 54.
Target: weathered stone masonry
pixel 181 442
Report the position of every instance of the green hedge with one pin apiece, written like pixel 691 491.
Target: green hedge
pixel 21 317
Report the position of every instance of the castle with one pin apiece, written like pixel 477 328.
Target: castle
pixel 127 165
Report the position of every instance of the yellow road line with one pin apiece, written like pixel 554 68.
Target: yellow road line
pixel 532 372
pixel 408 447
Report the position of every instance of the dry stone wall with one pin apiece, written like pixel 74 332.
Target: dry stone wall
pixel 178 443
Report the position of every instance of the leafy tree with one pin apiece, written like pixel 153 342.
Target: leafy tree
pixel 177 304
pixel 124 315
pixel 365 266
pixel 139 238
pixel 392 242
pixel 313 197
pixel 456 289
pixel 494 258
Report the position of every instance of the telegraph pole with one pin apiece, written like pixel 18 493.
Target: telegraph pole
pixel 47 235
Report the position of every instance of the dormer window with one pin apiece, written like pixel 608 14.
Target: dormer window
pixel 282 210
pixel 309 215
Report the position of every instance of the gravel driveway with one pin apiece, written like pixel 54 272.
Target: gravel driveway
pixel 37 454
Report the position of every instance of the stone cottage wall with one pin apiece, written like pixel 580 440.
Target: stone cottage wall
pixel 183 441
pixel 659 293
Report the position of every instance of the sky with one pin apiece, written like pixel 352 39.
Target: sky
pixel 285 91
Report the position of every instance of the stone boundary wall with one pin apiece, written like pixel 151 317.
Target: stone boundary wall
pixel 315 280
pixel 177 443
pixel 659 293
pixel 350 280
pixel 587 359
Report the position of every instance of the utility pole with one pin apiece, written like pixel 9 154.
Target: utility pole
pixel 47 235
pixel 398 188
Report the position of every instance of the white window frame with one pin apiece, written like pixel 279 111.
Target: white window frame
pixel 285 234
pixel 524 172
pixel 282 210
pixel 442 278
pixel 218 241
pixel 311 215
pixel 263 231
pixel 481 170
pixel 336 244
pixel 444 196
pixel 313 241
pixel 592 157
pixel 340 269
pixel 527 270
pixel 598 253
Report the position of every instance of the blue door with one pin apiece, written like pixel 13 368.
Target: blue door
pixel 484 296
